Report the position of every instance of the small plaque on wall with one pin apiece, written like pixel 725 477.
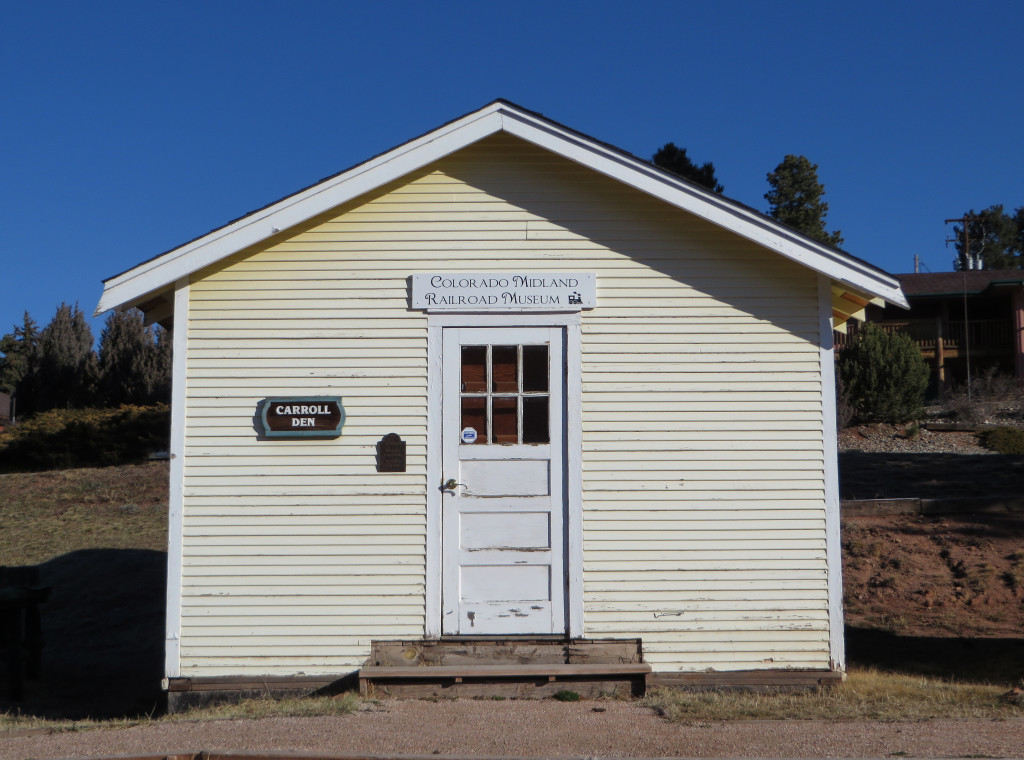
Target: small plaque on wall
pixel 302 417
pixel 391 454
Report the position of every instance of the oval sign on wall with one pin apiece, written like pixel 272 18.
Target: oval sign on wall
pixel 302 417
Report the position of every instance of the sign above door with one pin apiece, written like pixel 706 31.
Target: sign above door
pixel 501 291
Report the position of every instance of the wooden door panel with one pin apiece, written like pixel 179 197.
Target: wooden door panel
pixel 503 516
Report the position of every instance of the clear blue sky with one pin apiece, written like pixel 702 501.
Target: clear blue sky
pixel 129 128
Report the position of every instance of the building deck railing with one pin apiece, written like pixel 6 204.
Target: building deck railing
pixel 981 334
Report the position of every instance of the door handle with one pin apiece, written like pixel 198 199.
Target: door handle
pixel 451 485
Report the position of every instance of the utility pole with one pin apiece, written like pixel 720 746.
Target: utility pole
pixel 963 221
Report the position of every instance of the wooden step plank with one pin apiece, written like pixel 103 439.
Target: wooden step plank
pixel 747 679
pixel 467 650
pixel 373 672
pixel 242 683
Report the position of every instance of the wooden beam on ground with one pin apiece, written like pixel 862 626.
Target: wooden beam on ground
pixel 748 679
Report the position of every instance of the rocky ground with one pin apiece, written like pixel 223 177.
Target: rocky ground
pixel 891 461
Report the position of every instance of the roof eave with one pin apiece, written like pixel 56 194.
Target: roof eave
pixel 164 270
pixel 295 209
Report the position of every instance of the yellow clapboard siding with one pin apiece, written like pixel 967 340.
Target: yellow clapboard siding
pixel 608 588
pixel 289 620
pixel 755 659
pixel 287 488
pixel 275 665
pixel 709 496
pixel 286 528
pixel 701 359
pixel 369 505
pixel 725 529
pixel 615 439
pixel 682 487
pixel 295 351
pixel 656 565
pixel 670 506
pixel 696 601
pixel 252 537
pixel 208 431
pixel 634 465
pixel 735 577
pixel 677 626
pixel 294 563
pixel 697 546
pixel 324 661
pixel 670 477
pixel 311 465
pixel 717 529
pixel 399 600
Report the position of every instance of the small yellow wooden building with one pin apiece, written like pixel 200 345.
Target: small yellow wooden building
pixel 571 397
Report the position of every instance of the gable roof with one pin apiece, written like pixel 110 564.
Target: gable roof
pixel 855 282
pixel 972 281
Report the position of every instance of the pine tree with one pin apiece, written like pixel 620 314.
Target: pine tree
pixel 67 363
pixel 162 353
pixel 20 349
pixel 676 161
pixel 127 359
pixel 795 199
pixel 996 239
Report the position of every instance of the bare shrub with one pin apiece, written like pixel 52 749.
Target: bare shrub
pixel 992 393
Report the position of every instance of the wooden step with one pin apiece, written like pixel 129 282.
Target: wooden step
pixel 509 680
pixel 525 650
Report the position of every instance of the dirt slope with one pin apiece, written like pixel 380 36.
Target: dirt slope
pixel 937 594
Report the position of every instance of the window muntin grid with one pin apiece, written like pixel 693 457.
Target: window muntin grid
pixel 505 393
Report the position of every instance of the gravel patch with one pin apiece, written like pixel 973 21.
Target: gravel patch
pixel 470 728
pixel 899 440
pixel 893 462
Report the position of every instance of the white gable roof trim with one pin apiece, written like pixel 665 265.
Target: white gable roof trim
pixel 164 270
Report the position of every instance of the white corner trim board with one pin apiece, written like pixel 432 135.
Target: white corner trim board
pixel 829 432
pixel 176 498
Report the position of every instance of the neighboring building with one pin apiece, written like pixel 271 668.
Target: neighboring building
pixel 953 314
pixel 614 390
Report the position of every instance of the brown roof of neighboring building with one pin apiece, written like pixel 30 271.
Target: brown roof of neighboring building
pixel 947 283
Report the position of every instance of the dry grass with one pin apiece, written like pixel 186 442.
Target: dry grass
pixel 293 707
pixel 865 695
pixel 298 707
pixel 49 514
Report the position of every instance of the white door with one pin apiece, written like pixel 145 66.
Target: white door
pixel 503 504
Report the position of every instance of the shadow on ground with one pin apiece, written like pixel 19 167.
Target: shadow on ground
pixel 998 661
pixel 103 629
pixel 869 475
